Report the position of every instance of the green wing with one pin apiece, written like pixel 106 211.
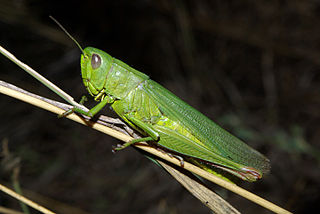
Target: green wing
pixel 214 138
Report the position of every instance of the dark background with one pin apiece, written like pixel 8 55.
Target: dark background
pixel 251 66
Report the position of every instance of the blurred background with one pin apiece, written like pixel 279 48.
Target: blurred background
pixel 251 66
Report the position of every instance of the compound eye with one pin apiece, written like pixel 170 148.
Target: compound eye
pixel 95 61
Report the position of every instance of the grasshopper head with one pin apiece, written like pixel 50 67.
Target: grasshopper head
pixel 95 65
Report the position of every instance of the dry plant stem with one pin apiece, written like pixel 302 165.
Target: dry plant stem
pixel 25 200
pixel 232 187
pixel 57 110
pixel 5 210
pixel 59 207
pixel 205 195
pixel 40 78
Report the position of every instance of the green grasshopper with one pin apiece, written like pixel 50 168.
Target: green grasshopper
pixel 164 119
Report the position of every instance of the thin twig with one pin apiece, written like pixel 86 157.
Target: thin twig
pixel 42 79
pixel 5 210
pixel 212 200
pixel 25 200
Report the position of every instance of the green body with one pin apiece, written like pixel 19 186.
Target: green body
pixel 165 119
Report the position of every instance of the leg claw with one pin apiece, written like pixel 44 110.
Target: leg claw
pixel 116 148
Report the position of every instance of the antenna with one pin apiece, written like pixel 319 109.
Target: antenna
pixel 68 34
